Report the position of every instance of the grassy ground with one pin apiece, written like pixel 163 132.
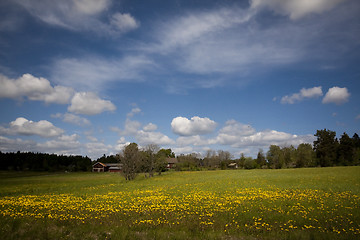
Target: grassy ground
pixel 317 203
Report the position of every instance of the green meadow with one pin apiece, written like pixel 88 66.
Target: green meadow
pixel 309 203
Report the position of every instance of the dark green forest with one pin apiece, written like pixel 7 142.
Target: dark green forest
pixel 28 161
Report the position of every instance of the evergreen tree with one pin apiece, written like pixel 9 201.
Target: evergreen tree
pixel 326 147
pixel 345 150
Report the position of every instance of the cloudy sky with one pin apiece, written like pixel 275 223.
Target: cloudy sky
pixel 88 76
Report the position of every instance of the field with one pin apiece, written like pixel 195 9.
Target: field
pixel 316 203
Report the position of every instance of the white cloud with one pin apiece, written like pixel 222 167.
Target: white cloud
pixel 337 95
pixel 232 132
pixel 134 111
pixel 268 137
pixel 226 41
pixel 65 144
pixel 192 140
pixel 97 149
pixel 145 138
pixel 194 26
pixel 124 22
pixel 59 94
pixel 80 15
pixel 183 150
pixel 121 144
pixel 150 127
pixel 195 126
pixel 89 103
pixel 130 128
pixel 34 89
pixel 14 145
pixel 93 72
pixel 238 135
pixel 22 126
pixel 303 94
pixel 296 8
pixel 72 118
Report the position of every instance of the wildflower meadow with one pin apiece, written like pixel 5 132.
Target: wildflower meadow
pixel 313 203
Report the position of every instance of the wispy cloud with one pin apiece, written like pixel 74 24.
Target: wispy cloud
pixel 79 15
pixel 96 73
pixel 296 9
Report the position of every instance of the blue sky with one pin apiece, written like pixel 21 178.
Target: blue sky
pixel 89 76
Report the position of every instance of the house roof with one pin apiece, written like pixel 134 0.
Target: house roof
pixel 171 160
pixel 118 165
pixel 113 164
pixel 100 164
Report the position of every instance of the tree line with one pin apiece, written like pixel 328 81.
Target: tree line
pixel 326 151
pixel 29 161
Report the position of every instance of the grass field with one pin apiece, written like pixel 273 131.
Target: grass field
pixel 317 203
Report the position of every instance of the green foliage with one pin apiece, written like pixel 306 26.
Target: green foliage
pixel 28 161
pixel 345 150
pixel 326 147
pixel 249 163
pixel 131 161
pixel 260 160
pixel 305 156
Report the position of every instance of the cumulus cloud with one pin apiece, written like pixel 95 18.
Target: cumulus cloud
pixel 303 94
pixel 22 126
pixel 143 135
pixel 121 144
pixel 97 148
pixel 80 15
pixel 337 95
pixel 194 126
pixel 296 8
pixel 192 140
pixel 150 127
pixel 133 112
pixel 237 135
pixel 72 118
pixel 232 132
pixel 34 89
pixel 89 103
pixel 131 127
pixel 159 138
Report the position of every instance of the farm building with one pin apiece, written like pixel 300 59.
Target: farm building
pixel 171 163
pixel 233 165
pixel 106 167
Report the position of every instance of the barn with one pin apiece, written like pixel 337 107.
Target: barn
pixel 106 167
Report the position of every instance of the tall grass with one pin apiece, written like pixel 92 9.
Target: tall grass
pixel 318 203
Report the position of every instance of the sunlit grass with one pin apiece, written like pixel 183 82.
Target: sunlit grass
pixel 300 203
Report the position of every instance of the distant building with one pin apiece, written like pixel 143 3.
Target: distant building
pixel 233 165
pixel 171 163
pixel 106 167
